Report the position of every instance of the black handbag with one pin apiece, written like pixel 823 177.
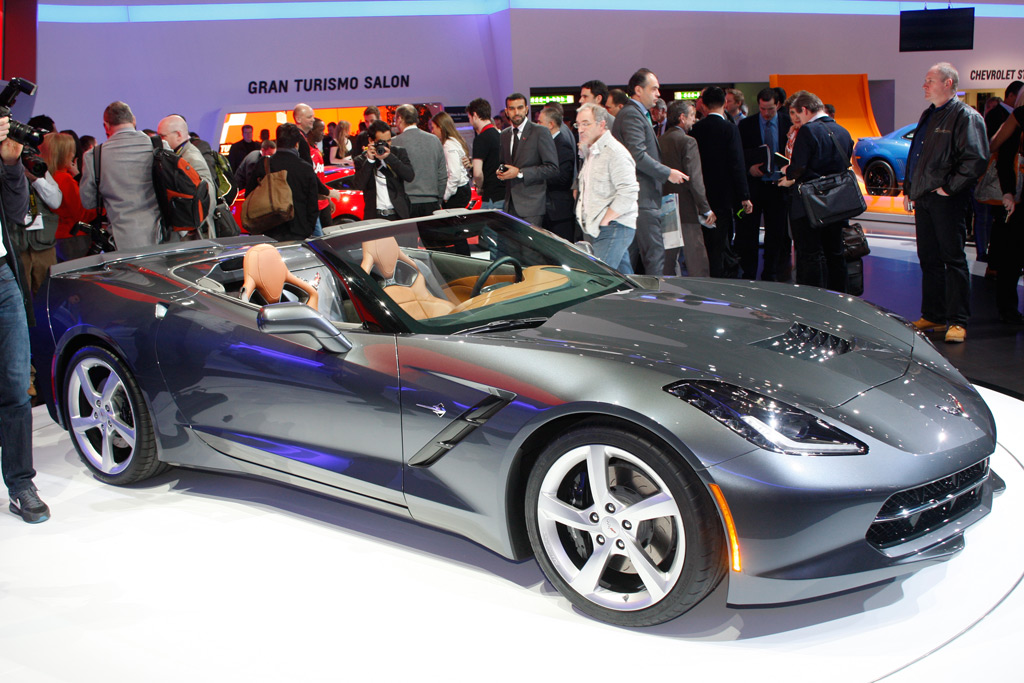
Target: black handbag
pixel 855 243
pixel 832 198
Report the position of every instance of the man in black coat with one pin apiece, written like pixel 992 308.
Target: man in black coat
pixel 765 130
pixel 560 204
pixel 822 147
pixel 383 165
pixel 721 159
pixel 301 179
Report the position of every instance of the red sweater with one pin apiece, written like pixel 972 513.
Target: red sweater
pixel 70 210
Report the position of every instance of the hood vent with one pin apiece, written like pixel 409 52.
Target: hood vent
pixel 807 343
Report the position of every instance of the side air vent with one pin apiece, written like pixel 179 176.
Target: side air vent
pixel 808 343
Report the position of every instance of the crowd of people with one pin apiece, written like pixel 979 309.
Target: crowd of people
pixel 678 189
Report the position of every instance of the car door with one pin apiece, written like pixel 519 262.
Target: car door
pixel 282 402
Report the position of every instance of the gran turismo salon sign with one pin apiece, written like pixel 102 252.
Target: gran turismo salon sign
pixel 328 84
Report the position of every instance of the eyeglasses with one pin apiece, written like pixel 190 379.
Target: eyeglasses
pixel 583 124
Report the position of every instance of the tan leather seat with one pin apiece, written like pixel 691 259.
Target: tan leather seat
pixel 409 293
pixel 264 272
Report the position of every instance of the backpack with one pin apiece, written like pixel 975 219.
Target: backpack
pixel 220 168
pixel 182 195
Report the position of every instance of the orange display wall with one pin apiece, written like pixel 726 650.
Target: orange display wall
pixel 852 100
pixel 231 130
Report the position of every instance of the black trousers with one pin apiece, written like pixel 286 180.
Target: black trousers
pixel 1008 258
pixel 772 203
pixel 945 279
pixel 722 261
pixel 417 209
pixel 820 261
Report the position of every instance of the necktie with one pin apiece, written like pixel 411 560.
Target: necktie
pixel 515 142
pixel 773 139
pixel 648 115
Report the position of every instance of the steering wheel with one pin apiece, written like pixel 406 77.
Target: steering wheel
pixel 482 280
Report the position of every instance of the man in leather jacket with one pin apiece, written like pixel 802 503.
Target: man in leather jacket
pixel 948 155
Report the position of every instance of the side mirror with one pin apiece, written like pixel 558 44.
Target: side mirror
pixel 292 317
pixel 585 246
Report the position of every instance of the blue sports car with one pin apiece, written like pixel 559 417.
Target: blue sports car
pixel 883 160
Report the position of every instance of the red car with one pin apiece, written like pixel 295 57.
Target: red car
pixel 346 208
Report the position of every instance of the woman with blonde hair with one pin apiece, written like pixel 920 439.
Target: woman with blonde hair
pixel 456 192
pixel 341 151
pixel 58 151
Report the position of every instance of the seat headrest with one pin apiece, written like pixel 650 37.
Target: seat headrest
pixel 264 271
pixel 385 254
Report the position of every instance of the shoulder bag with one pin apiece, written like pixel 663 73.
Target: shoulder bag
pixel 832 198
pixel 269 204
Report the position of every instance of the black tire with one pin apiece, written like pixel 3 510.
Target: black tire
pixel 880 179
pixel 592 540
pixel 107 418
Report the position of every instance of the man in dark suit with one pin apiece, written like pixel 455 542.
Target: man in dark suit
pixel 559 215
pixel 766 129
pixel 634 128
pixel 990 221
pixel 301 179
pixel 679 150
pixel 529 159
pixel 387 167
pixel 721 159
pixel 822 147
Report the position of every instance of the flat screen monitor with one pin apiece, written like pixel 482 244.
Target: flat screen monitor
pixel 937 29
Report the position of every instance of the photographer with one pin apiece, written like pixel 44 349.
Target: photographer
pixel 15 409
pixel 381 173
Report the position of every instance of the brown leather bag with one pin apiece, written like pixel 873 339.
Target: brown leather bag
pixel 270 204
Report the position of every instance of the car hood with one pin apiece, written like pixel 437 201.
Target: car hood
pixel 808 346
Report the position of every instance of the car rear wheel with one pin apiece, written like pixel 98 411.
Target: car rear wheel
pixel 108 419
pixel 880 179
pixel 622 527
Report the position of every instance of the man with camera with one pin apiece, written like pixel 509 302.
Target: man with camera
pixel 15 408
pixel 382 171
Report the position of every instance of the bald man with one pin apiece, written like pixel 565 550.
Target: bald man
pixel 304 116
pixel 174 131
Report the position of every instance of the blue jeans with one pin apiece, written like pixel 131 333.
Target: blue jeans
pixel 498 204
pixel 612 246
pixel 15 407
pixel 318 230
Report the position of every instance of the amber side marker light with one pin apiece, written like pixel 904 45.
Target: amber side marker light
pixel 734 545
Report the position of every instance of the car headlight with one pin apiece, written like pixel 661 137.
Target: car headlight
pixel 766 422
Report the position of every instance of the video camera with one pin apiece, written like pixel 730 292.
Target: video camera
pixel 19 132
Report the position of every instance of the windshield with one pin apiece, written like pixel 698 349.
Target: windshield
pixel 478 271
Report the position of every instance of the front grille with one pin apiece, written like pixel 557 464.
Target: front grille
pixel 914 512
pixel 808 343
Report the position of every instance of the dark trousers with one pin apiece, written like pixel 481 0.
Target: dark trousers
pixel 649 243
pixel 772 203
pixel 15 406
pixel 459 200
pixel 1008 259
pixel 819 254
pixel 510 208
pixel 945 279
pixel 418 209
pixel 722 261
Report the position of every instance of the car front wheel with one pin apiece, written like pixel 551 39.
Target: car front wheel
pixel 880 179
pixel 108 420
pixel 622 527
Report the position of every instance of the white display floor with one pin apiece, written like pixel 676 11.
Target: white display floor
pixel 206 577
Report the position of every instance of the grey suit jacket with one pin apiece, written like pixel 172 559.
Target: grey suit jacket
pixel 126 183
pixel 537 159
pixel 679 151
pixel 427 158
pixel 632 130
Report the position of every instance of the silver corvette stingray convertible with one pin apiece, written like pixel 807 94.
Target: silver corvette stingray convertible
pixel 644 439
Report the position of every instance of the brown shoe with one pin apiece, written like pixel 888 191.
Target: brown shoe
pixel 955 334
pixel 926 325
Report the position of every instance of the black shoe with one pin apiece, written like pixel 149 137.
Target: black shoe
pixel 1014 318
pixel 27 505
